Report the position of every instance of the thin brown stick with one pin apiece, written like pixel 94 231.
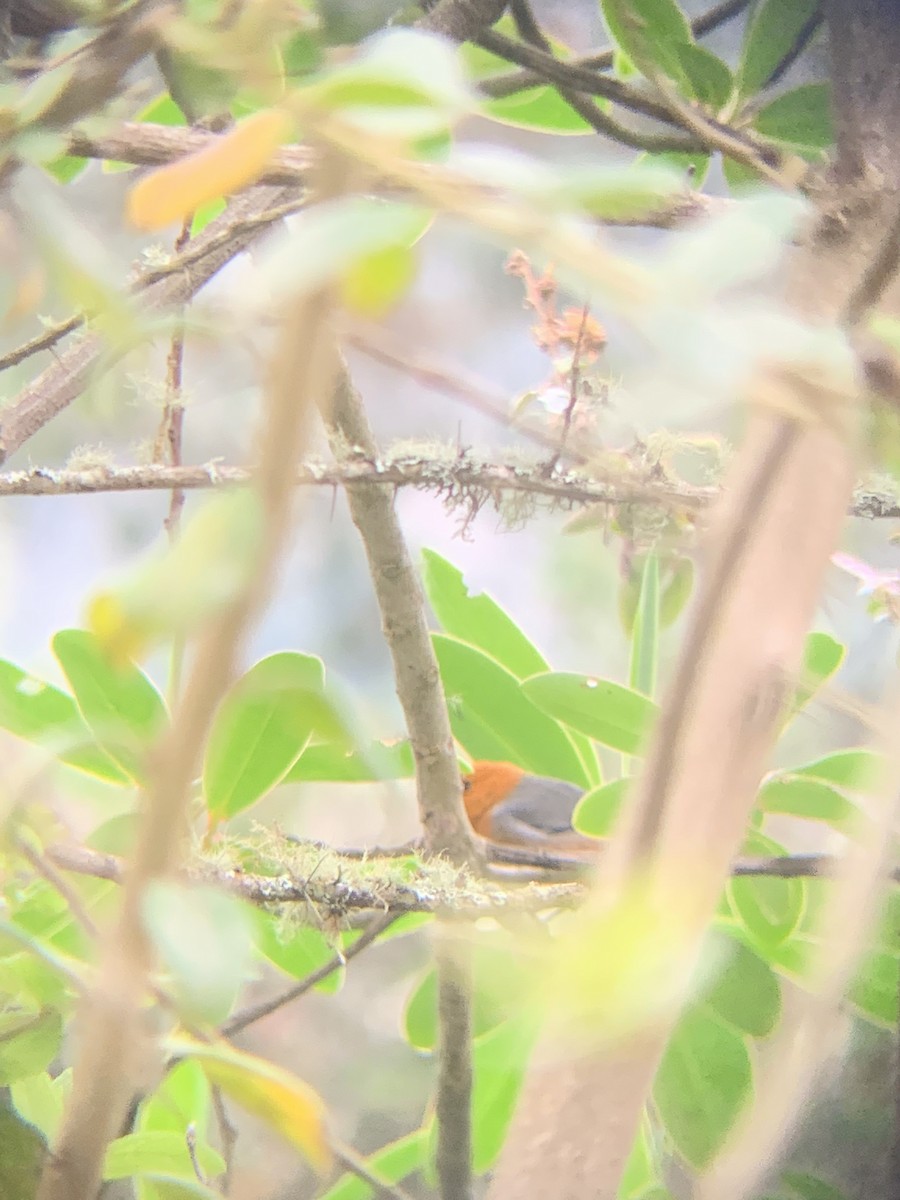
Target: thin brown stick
pixel 347 1158
pixel 256 1012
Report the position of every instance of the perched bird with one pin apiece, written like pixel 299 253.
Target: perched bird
pixel 508 806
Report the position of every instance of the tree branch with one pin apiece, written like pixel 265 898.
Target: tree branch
pixel 402 606
pixel 461 20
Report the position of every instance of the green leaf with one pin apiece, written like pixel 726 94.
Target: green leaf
pixel 183 1098
pixel 769 909
pixel 298 952
pixel 745 992
pixel 261 728
pixel 597 811
pixel 478 619
pixel 703 1082
pixel 23 1157
pixel 401 81
pixel 499 1059
pixel 809 1187
pixel 822 655
pixel 40 1101
pixel 336 764
pixel 204 939
pixel 327 240
pixel 493 718
pixel 36 711
pixel 611 714
pixel 770 35
pixel 710 79
pixel 65 168
pixel 541 109
pixel 808 798
pixel 393 1163
pixel 642 1171
pixel 645 631
pixel 120 704
pixel 648 31
pixel 855 770
pixel 29 1042
pixel 158 1152
pixel 874 990
pixel 801 117
pixel 176 589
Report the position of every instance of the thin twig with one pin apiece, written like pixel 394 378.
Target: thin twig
pixel 42 865
pixel 351 1161
pixel 256 1012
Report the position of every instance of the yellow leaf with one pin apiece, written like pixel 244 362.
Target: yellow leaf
pixel 284 1102
pixel 232 161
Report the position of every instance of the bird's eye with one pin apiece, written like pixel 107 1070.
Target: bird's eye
pixel 466 782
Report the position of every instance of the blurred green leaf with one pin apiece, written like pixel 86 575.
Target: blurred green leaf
pixel 158 1152
pixel 541 109
pixel 710 79
pixel 811 799
pixel 822 656
pixel 769 909
pixel 329 239
pixel 392 1163
pixel 400 81
pixel 874 989
pixel 642 1171
pixel 703 1082
pixel 478 619
pixel 40 1101
pixel 493 718
pixel 261 728
pixel 177 589
pixel 122 707
pixel 23 1157
pixel 336 764
pixel 182 1099
pixel 204 940
pixel 770 34
pixel 801 1186
pixel 613 715
pixel 375 283
pixel 499 1059
pixel 598 809
pixel 745 992
pixel 65 168
pixel 856 770
pixel 801 117
pixel 29 1042
pixel 298 952
pixel 645 631
pixel 38 712
pixel 649 31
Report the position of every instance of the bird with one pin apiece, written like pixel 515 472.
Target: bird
pixel 508 806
